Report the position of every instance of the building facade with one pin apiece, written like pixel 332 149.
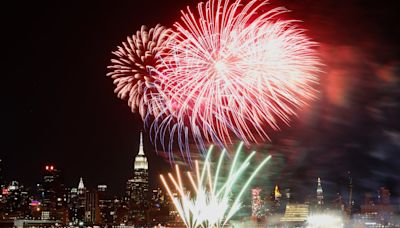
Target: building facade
pixel 138 187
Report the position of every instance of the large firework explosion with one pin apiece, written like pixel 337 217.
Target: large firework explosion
pixel 211 204
pixel 232 70
pixel 131 69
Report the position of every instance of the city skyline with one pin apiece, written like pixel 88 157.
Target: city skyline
pixel 61 110
pixel 344 187
pixel 52 202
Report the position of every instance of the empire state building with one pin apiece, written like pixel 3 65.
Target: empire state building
pixel 138 186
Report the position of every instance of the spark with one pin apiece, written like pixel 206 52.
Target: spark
pixel 232 69
pixel 210 204
pixel 130 70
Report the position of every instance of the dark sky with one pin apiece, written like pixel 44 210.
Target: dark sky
pixel 60 107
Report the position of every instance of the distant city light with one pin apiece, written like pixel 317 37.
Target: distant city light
pixel 5 191
pixel 35 203
pixel 49 167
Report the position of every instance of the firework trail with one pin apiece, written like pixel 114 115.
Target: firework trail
pixel 210 204
pixel 130 70
pixel 232 69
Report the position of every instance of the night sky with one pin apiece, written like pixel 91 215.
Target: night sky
pixel 60 107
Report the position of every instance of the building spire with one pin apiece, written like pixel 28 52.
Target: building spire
pixel 277 193
pixel 81 185
pixel 140 159
pixel 141 150
pixel 320 193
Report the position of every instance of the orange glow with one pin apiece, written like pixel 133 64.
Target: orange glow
pixel 337 86
pixel 277 192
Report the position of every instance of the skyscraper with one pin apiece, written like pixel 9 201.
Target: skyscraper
pixel 52 194
pixel 320 193
pixel 350 203
pixel 384 196
pixel 277 193
pixel 105 205
pixel 138 186
pixel 295 215
pixel 15 202
pixel 80 204
pixel 256 203
pixel 158 198
pixel 92 209
pixel 277 206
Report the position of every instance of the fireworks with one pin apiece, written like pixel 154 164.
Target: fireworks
pixel 131 70
pixel 232 70
pixel 211 205
pixel 325 220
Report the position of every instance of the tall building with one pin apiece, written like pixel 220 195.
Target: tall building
pixel 287 194
pixel 102 188
pixel 92 209
pixel 380 212
pixel 52 194
pixel 72 202
pixel 383 196
pixel 107 211
pixel 158 212
pixel 256 204
pixel 158 198
pixel 296 214
pixel 138 187
pixel 320 193
pixel 129 190
pixel 16 201
pixel 277 193
pixel 351 202
pixel 79 206
pixel 277 205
